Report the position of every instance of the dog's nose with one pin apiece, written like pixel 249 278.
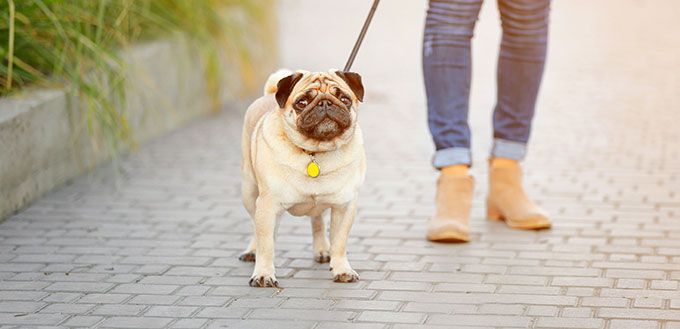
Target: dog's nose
pixel 325 103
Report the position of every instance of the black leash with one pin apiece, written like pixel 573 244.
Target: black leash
pixel 361 36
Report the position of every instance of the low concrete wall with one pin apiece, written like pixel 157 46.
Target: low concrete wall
pixel 43 140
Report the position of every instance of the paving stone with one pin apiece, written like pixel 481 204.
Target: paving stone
pixel 502 309
pixel 204 301
pixel 154 300
pixel 293 314
pixel 345 325
pixel 79 287
pixel 366 305
pixel 582 282
pixel 390 317
pixel 639 314
pixel 438 308
pixel 31 319
pixel 635 274
pixel 49 258
pixel 103 298
pixel 189 323
pixel 83 321
pixel 114 309
pixel 458 298
pixel 480 320
pixel 67 308
pixel 555 271
pixel 580 323
pixel 356 294
pixel 306 303
pixel 132 322
pixel 437 277
pixel 192 291
pixel 577 312
pixel 513 289
pixel 75 277
pixel 22 295
pixel 261 324
pixel 516 279
pixel 220 312
pixel 537 310
pixel 578 291
pixel 664 284
pixel 22 285
pixel 123 278
pixel 19 267
pixel 463 287
pixel 400 285
pixel 197 271
pixel 170 280
pixel 648 302
pixel 637 324
pixel 20 307
pixel 265 302
pixel 631 284
pixel 151 289
pixel 170 311
pixel 151 269
pixel 604 302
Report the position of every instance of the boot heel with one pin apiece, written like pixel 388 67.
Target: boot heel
pixel 493 212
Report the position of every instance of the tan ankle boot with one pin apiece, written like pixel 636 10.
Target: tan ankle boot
pixel 507 200
pixel 451 221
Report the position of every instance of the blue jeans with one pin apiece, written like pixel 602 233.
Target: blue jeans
pixel 447 68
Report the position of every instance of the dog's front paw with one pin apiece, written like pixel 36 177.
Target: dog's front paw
pixel 322 256
pixel 342 272
pixel 263 281
pixel 348 276
pixel 248 256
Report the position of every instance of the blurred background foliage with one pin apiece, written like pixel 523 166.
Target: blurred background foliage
pixel 78 45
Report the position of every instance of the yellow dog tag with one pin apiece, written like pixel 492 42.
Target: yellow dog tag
pixel 313 169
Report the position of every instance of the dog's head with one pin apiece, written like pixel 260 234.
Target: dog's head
pixel 319 109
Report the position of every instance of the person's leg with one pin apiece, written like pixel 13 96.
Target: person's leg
pixel 520 69
pixel 449 28
pixel 447 71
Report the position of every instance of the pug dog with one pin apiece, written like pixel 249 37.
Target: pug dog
pixel 303 152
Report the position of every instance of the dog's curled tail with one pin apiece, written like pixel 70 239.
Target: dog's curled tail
pixel 273 80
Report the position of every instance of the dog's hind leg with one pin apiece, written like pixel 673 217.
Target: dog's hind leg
pixel 321 244
pixel 249 192
pixel 248 255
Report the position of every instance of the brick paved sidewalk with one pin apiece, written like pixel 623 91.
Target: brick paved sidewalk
pixel 156 245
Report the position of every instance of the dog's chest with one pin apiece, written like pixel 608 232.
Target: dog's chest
pixel 334 187
pixel 311 208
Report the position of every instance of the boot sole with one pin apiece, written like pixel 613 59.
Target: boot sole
pixel 524 225
pixel 494 214
pixel 449 237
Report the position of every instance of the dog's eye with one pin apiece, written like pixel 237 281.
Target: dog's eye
pixel 301 104
pixel 345 100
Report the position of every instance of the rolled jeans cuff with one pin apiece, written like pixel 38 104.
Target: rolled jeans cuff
pixel 451 156
pixel 503 148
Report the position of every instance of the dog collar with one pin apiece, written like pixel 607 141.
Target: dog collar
pixel 313 169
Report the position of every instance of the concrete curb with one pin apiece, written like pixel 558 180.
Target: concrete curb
pixel 43 142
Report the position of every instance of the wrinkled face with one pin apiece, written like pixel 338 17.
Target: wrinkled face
pixel 320 105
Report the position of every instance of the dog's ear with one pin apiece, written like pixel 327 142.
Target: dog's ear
pixel 353 80
pixel 285 87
